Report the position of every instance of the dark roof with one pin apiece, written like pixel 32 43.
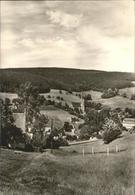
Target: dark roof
pixel 76 104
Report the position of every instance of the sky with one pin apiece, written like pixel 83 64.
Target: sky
pixel 70 34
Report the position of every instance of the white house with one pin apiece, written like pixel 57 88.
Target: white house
pixel 19 120
pixel 129 123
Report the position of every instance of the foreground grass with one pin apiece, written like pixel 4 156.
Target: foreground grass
pixel 67 172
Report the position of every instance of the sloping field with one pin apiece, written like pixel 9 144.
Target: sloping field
pixel 69 173
pixel 11 96
pixel 59 116
pixel 113 102
pixel 118 101
pixel 67 97
pixel 129 91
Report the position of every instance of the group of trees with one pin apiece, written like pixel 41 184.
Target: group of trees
pixel 30 102
pixel 10 134
pixel 129 112
pixel 105 123
pixel 110 93
pixel 96 120
pixel 47 78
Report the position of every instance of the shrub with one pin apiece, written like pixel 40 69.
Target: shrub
pixel 55 142
pixel 133 97
pixel 109 93
pixel 49 96
pixel 29 147
pixel 112 131
pixel 11 135
pixel 132 130
pixel 124 95
pixel 71 137
pixel 84 133
pixel 88 97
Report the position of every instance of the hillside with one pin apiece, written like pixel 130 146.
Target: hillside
pixel 62 78
pixel 114 102
pixel 66 171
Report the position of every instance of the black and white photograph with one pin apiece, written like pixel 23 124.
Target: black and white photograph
pixel 67 97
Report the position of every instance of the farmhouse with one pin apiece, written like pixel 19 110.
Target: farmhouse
pixel 129 123
pixel 19 120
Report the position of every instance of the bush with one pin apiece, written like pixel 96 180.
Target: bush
pixel 71 137
pixel 109 93
pixel 29 147
pixel 111 131
pixel 88 97
pixel 55 143
pixel 11 135
pixel 133 97
pixel 84 133
pixel 124 95
pixel 49 96
pixel 132 130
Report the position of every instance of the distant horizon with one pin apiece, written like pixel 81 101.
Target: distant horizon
pixel 47 67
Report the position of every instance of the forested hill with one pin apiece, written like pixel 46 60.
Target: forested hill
pixel 62 78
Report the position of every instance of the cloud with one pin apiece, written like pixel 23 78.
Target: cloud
pixel 46 52
pixel 106 52
pixel 64 19
pixel 84 34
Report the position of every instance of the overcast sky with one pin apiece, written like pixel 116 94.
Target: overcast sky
pixel 72 34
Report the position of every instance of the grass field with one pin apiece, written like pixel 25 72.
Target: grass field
pixel 114 102
pixel 11 96
pixel 67 97
pixel 129 91
pixel 67 172
pixel 59 116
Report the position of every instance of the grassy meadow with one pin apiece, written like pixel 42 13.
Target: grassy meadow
pixel 67 172
pixel 114 102
pixel 59 116
pixel 128 90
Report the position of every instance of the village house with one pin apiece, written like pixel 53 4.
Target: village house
pixel 19 120
pixel 21 123
pixel 128 123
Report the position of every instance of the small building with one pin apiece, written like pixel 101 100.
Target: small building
pixel 19 120
pixel 47 131
pixel 128 123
